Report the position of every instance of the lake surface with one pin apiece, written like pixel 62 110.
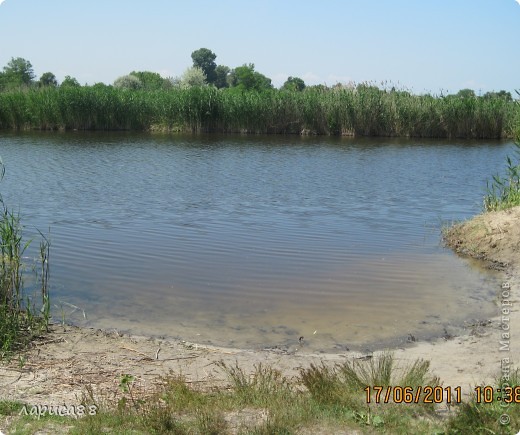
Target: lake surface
pixel 254 241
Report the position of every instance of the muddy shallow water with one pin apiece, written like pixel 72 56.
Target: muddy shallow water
pixel 255 241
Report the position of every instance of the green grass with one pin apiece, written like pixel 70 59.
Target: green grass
pixel 322 399
pixel 362 111
pixel 489 418
pixel 20 321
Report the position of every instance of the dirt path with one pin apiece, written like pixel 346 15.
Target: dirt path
pixel 63 366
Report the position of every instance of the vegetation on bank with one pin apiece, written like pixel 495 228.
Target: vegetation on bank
pixel 216 98
pixel 20 321
pixel 504 191
pixel 322 399
pixel 361 111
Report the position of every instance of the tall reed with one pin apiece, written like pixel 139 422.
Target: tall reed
pixel 362 111
pixel 504 191
pixel 19 321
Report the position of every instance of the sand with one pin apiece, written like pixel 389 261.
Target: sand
pixel 65 364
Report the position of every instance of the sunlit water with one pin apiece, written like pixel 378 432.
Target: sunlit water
pixel 255 241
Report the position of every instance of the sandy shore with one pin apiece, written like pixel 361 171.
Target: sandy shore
pixel 61 367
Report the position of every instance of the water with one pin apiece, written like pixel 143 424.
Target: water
pixel 254 241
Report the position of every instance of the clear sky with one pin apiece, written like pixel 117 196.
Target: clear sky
pixel 421 45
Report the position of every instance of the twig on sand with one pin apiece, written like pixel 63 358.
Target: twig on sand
pixel 157 355
pixel 181 357
pixel 136 351
pixel 43 343
pixel 16 380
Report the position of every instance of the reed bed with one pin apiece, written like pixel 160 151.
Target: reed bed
pixel 503 191
pixel 360 111
pixel 20 320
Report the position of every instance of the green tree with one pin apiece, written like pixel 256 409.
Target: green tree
pixel 18 72
pixel 246 78
pixel 48 79
pixel 294 84
pixel 466 93
pixel 205 59
pixel 151 81
pixel 128 82
pixel 69 82
pixel 101 86
pixel 222 73
pixel 504 95
pixel 3 81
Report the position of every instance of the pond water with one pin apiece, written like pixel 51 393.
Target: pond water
pixel 254 241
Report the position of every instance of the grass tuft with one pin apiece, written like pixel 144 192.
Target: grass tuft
pixel 496 417
pixel 263 386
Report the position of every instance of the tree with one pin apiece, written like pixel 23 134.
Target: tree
pixel 48 79
pixel 466 93
pixel 193 76
pixel 504 95
pixel 205 59
pixel 222 73
pixel 151 81
pixel 101 86
pixel 69 82
pixel 18 72
pixel 294 84
pixel 246 78
pixel 3 81
pixel 128 82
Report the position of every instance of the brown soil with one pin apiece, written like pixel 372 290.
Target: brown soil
pixel 493 237
pixel 62 367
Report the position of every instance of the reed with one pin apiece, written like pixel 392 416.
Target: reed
pixel 361 111
pixel 19 320
pixel 504 191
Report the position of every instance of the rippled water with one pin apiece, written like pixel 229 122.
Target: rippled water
pixel 255 240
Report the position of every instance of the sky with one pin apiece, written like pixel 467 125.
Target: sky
pixel 435 46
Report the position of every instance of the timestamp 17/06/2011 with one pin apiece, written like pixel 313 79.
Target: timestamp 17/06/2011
pixel 439 394
pixel 408 394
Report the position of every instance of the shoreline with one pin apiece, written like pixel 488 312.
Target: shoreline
pixel 61 367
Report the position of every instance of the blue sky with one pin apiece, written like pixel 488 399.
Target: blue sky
pixel 421 45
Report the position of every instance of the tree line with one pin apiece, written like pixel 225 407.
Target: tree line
pixel 19 73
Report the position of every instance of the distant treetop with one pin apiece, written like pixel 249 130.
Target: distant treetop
pixel 204 59
pixel 151 81
pixel 69 82
pixel 48 79
pixel 18 72
pixel 294 84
